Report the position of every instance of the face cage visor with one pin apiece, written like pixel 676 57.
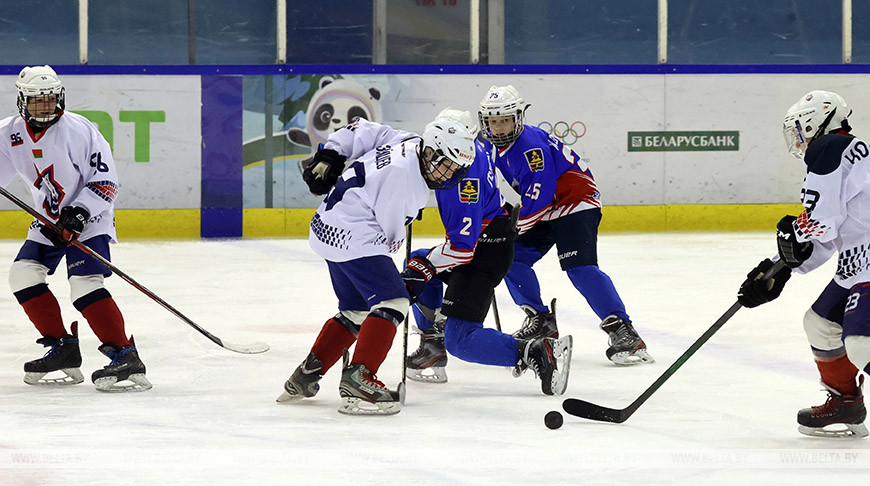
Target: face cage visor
pixel 794 139
pixel 440 172
pixel 41 121
pixel 506 139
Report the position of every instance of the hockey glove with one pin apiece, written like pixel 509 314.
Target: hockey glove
pixel 323 172
pixel 416 275
pixel 791 251
pixel 71 223
pixel 756 291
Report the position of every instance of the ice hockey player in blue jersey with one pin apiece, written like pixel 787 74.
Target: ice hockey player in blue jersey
pixel 472 261
pixel 835 193
pixel 561 206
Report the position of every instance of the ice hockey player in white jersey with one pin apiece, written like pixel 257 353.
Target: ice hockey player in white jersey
pixel 836 195
pixel 69 168
pixel 357 226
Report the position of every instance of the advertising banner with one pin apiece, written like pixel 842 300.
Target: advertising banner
pixel 153 126
pixel 649 139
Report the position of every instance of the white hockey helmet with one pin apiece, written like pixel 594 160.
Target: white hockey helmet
pixel 502 101
pixel 459 116
pixel 39 81
pixel 815 114
pixel 446 153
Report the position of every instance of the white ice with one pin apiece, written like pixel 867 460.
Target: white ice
pixel 726 417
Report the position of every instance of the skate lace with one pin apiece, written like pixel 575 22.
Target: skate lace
pixel 531 325
pixel 118 357
pixel 371 380
pixel 624 334
pixel 54 346
pixel 830 407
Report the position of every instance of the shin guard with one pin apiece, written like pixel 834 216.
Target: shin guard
pixel 104 317
pixel 42 308
pixel 334 338
pixel 839 374
pixel 374 342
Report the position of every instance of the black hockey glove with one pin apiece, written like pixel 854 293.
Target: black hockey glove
pixel 416 275
pixel 756 291
pixel 71 223
pixel 323 172
pixel 502 229
pixel 791 251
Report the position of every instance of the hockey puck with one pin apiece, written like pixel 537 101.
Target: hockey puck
pixel 553 420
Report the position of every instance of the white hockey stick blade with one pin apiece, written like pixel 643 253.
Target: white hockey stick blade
pixel 253 348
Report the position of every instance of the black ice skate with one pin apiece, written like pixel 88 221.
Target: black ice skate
pixel 363 394
pixel 303 383
pixel 845 413
pixel 64 356
pixel 550 359
pixel 625 345
pixel 538 325
pixel 125 366
pixel 427 363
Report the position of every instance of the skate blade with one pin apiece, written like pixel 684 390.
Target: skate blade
pixel 562 350
pixel 631 358
pixel 134 383
pixel 434 374
pixel 286 397
pixel 72 376
pixel 358 406
pixel 845 431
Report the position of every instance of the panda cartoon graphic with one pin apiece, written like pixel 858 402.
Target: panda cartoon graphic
pixel 336 104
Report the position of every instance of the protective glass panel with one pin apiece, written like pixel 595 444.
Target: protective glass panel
pixel 329 32
pixel 580 32
pixel 430 31
pixel 26 40
pixel 751 32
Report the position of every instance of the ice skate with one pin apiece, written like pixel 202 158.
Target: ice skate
pixel 427 364
pixel 841 416
pixel 538 325
pixel 625 347
pixel 64 356
pixel 303 383
pixel 125 367
pixel 363 394
pixel 550 359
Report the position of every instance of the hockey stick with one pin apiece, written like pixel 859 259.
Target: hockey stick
pixel 584 409
pixel 408 232
pixel 495 312
pixel 244 349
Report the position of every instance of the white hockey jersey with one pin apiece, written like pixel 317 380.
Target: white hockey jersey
pixel 67 164
pixel 836 195
pixel 365 213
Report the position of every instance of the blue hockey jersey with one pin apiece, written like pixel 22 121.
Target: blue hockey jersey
pixel 551 178
pixel 466 210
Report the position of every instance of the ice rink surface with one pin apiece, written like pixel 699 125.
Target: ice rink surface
pixel 726 417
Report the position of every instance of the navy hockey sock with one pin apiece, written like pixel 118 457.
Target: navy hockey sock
pixel 431 298
pixel 470 341
pixel 598 290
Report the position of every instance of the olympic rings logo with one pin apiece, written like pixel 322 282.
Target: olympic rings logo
pixel 568 134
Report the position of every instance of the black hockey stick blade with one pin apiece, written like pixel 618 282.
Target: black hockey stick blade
pixel 584 409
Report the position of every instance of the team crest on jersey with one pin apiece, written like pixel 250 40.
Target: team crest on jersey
pixel 53 191
pixel 535 158
pixel 469 190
